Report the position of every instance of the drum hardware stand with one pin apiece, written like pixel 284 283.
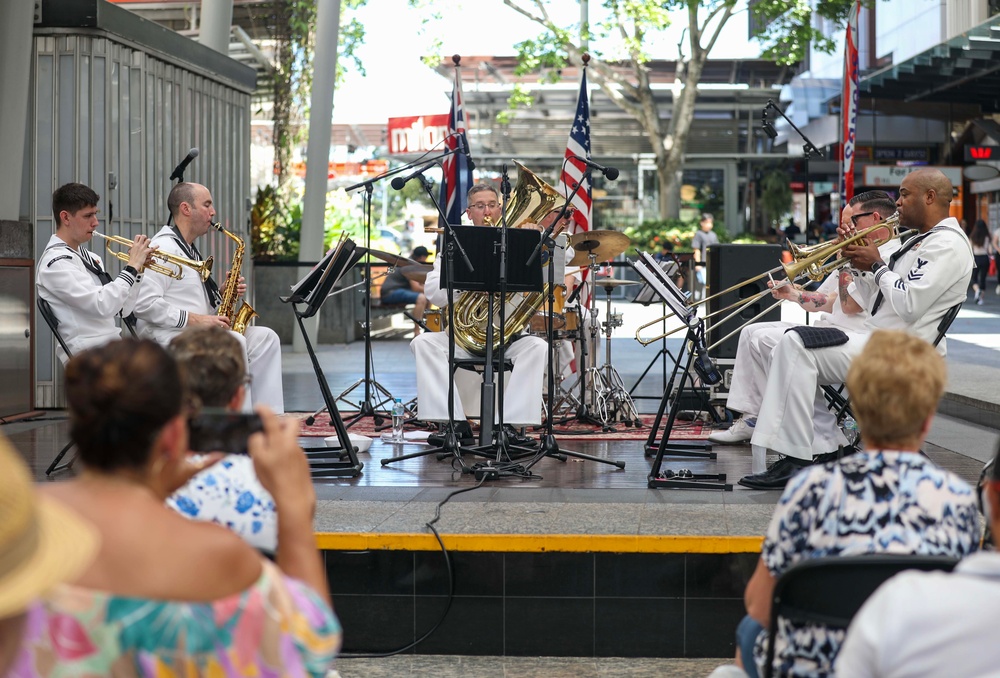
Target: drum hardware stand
pixel 609 395
pixel 661 355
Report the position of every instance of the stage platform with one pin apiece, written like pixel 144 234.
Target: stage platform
pixel 581 561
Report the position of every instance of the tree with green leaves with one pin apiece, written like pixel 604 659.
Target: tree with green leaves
pixel 787 30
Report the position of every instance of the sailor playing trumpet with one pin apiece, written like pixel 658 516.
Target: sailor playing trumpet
pixel 83 296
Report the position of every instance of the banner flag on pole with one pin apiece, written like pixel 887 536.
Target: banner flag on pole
pixel 456 176
pixel 573 170
pixel 849 100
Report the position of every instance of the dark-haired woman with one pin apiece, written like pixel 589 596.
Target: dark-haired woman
pixel 167 596
pixel 982 248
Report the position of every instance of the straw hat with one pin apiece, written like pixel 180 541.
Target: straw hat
pixel 41 543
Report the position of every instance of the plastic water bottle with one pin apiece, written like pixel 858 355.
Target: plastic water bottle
pixel 398 414
pixel 851 429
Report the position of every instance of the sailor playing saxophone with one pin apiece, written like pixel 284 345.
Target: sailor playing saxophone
pixel 166 306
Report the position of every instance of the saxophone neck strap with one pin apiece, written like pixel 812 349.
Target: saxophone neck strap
pixel 191 252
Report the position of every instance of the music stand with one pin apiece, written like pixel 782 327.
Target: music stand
pixel 646 296
pixel 650 271
pixel 484 245
pixel 312 291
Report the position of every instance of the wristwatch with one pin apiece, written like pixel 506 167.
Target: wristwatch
pixel 876 266
pixel 131 269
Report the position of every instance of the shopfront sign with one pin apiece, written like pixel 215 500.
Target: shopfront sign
pixel 888 175
pixel 417 134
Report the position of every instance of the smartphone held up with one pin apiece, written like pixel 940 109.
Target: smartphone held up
pixel 218 430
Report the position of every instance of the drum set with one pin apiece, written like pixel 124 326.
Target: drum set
pixel 598 394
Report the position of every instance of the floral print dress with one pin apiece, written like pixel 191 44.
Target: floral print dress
pixel 276 628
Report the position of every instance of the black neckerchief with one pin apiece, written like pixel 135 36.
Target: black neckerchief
pixel 192 252
pixel 895 256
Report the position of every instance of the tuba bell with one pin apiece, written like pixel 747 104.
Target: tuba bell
pixel 530 200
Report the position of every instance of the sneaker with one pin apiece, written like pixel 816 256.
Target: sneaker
pixel 979 301
pixel 740 432
pixel 998 289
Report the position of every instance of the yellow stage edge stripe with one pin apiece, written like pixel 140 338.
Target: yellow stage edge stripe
pixel 539 543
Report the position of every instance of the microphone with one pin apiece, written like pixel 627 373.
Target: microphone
pixel 767 126
pixel 178 172
pixel 703 365
pixel 466 151
pixel 610 173
pixel 399 182
pixel 575 294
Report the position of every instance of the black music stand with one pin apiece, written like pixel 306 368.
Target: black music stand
pixel 646 296
pixel 485 244
pixel 650 271
pixel 312 291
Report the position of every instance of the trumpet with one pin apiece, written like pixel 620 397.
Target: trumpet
pixel 815 262
pixel 174 264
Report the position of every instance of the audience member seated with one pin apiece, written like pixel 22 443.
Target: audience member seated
pixel 932 624
pixel 41 545
pixel 399 290
pixel 888 498
pixel 227 493
pixel 167 596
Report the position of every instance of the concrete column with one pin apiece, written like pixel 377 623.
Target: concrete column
pixel 216 20
pixel 318 146
pixel 16 22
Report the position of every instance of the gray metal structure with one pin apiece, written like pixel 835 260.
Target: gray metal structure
pixel 117 100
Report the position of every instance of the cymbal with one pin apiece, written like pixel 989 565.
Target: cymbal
pixel 393 259
pixel 416 272
pixel 604 245
pixel 614 282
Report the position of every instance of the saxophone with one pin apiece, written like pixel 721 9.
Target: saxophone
pixel 238 319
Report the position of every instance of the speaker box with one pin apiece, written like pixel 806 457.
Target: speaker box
pixel 729 266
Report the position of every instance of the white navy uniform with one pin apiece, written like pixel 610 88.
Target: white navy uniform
pixel 85 307
pixel 930 276
pixel 162 309
pixel 522 403
pixel 757 342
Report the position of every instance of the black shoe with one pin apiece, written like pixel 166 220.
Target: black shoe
pixel 775 477
pixel 463 432
pixel 515 437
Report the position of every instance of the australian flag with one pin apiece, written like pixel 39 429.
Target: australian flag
pixel 457 177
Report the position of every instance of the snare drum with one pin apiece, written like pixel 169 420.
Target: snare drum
pixel 432 318
pixel 539 323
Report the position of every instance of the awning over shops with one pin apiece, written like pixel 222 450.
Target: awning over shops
pixel 963 70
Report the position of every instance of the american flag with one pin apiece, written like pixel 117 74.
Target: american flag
pixel 457 177
pixel 573 171
pixel 849 100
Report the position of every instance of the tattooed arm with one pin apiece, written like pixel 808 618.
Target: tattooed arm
pixel 847 302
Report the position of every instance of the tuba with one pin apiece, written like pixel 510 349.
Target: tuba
pixel 530 201
pixel 238 318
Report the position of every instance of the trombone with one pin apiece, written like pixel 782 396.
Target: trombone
pixel 815 262
pixel 173 269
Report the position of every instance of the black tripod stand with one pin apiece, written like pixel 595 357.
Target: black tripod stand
pixel 368 406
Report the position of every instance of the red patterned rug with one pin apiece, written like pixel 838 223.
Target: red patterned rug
pixel 683 430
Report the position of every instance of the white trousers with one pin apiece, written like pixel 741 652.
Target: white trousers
pixel 753 358
pixel 263 355
pixel 793 418
pixel 522 405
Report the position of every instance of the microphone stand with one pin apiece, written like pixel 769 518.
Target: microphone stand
pixel 808 150
pixel 449 446
pixel 367 408
pixel 547 445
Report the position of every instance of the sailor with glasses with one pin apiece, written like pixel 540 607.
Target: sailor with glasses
pixel 522 404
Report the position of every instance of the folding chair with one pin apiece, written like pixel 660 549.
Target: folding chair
pixel 831 590
pixel 840 403
pixel 53 322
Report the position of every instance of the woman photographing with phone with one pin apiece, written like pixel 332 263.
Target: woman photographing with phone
pixel 166 595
